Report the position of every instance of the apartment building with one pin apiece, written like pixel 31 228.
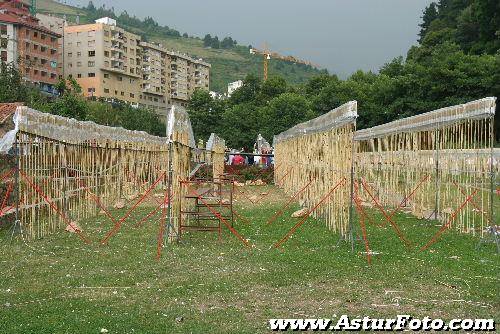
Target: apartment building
pixel 186 75
pixel 170 78
pixel 111 63
pixel 105 60
pixel 155 78
pixel 55 24
pixel 31 47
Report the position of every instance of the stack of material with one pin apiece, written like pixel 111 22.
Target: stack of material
pixel 319 150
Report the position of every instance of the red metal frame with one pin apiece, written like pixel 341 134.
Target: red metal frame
pixel 4 202
pixel 7 174
pixel 218 215
pixel 387 217
pixel 472 201
pixel 97 201
pixel 365 239
pixel 403 202
pixel 360 209
pixel 294 228
pixel 54 207
pixel 280 212
pixel 436 236
pixel 120 222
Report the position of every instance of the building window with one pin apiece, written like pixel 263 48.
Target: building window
pixel 91 64
pixel 27 45
pixel 69 44
pixel 4 56
pixel 53 39
pixel 78 54
pixel 106 63
pixel 123 93
pixel 106 90
pixel 91 33
pixel 120 79
pixel 92 53
pixel 91 75
pixel 43 36
pixel 91 90
pixel 70 65
pixel 35 34
pixel 106 75
pixel 132 95
pixel 4 42
pixel 79 75
pixel 3 29
pixel 53 75
pixel 78 44
pixel 106 53
pixel 91 43
pixel 43 61
pixel 70 54
pixel 78 64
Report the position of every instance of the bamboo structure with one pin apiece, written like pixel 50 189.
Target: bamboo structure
pixel 320 151
pixel 438 165
pixel 70 170
pixel 217 146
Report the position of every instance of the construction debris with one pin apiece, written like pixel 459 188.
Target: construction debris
pixel 73 228
pixel 119 204
pixel 300 213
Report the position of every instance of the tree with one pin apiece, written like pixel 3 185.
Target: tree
pixel 205 114
pixel 283 112
pixel 227 43
pixel 248 92
pixel 12 87
pixel 215 44
pixel 70 102
pixel 271 88
pixel 240 125
pixel 91 7
pixel 430 14
pixel 207 41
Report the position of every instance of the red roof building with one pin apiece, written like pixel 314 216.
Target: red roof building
pixel 32 47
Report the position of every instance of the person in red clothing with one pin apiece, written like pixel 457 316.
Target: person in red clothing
pixel 238 160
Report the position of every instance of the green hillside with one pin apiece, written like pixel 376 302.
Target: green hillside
pixel 227 64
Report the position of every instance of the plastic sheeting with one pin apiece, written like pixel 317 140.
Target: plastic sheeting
pixel 336 118
pixel 71 131
pixel 479 109
pixel 215 141
pixel 178 122
pixel 262 143
pixel 7 141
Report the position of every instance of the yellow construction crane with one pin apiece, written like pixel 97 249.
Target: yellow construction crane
pixel 269 54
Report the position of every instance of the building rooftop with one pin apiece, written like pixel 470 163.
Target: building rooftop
pixel 9 13
pixel 7 110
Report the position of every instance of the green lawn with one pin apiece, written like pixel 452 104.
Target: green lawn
pixel 60 285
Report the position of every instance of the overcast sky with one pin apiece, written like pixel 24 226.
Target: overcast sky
pixel 340 35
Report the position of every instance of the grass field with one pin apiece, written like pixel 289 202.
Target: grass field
pixel 60 285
